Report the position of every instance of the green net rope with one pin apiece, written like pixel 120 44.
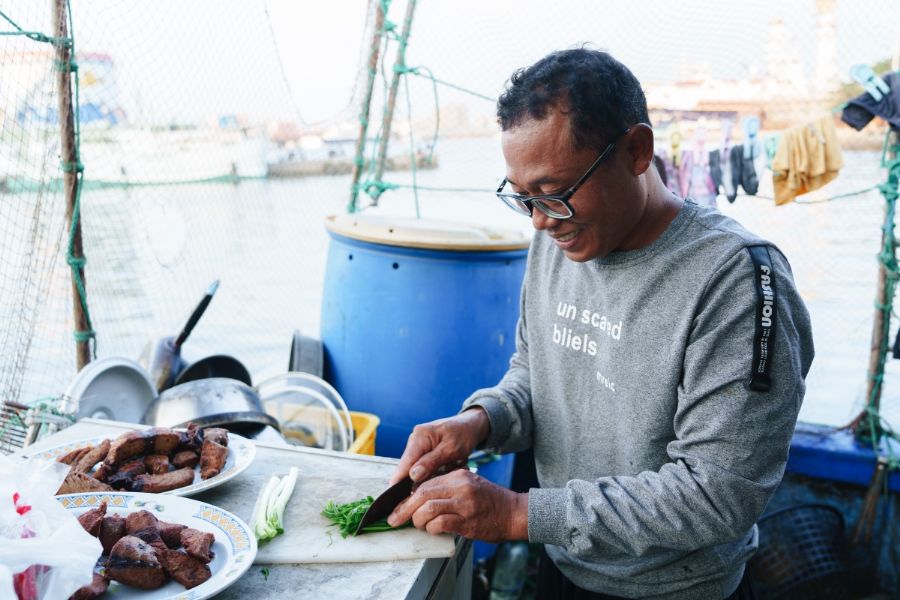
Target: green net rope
pixel 76 263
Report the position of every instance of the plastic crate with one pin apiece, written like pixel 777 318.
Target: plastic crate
pixel 365 426
pixel 305 425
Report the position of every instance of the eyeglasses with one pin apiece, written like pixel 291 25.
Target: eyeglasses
pixel 556 206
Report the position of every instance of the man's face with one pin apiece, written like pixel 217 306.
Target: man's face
pixel 541 159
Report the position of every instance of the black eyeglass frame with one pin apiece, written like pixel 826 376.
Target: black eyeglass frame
pixel 521 203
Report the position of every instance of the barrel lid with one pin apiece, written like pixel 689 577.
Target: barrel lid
pixel 425 233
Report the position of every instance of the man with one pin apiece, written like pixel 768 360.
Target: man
pixel 659 368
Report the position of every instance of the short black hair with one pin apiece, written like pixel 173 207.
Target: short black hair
pixel 601 95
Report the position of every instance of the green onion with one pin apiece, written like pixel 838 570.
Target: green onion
pixel 268 514
pixel 347 517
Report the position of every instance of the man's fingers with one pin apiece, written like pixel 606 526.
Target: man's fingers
pixel 432 509
pixel 417 445
pixel 402 512
pixel 446 523
pixel 428 464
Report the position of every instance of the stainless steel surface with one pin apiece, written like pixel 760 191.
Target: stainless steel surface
pixel 217 365
pixel 114 388
pixel 163 362
pixel 211 402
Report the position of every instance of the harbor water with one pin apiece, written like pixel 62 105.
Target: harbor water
pixel 152 251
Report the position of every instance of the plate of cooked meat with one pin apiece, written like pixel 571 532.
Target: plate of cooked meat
pixel 157 461
pixel 159 547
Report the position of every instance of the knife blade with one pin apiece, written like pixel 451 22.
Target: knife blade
pixel 385 503
pixel 388 500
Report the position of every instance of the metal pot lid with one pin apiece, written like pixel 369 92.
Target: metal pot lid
pixel 114 388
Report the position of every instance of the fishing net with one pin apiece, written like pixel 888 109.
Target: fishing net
pixel 215 136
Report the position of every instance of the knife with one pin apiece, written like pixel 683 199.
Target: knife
pixel 385 503
pixel 388 500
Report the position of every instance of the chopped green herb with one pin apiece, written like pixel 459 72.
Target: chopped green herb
pixel 265 573
pixel 347 517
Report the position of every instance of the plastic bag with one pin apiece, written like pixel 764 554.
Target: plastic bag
pixel 45 553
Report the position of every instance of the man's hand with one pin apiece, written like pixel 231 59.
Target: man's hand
pixel 466 504
pixel 441 442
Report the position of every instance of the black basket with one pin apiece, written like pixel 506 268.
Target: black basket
pixel 802 555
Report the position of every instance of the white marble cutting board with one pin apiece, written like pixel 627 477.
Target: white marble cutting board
pixel 307 537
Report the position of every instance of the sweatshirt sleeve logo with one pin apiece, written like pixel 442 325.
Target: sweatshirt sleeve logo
pixel 764 338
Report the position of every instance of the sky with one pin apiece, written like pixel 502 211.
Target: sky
pixel 300 59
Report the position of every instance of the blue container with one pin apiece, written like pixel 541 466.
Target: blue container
pixel 416 315
pixel 500 472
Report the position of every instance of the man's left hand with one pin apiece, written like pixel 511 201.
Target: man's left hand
pixel 463 503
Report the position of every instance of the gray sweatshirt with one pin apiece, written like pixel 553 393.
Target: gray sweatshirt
pixel 659 389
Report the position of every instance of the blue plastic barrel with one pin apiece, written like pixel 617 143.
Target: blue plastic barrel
pixel 499 471
pixel 416 315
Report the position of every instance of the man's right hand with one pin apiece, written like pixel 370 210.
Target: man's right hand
pixel 441 442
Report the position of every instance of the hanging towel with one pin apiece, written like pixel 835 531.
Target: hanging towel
pixel 864 107
pixel 807 158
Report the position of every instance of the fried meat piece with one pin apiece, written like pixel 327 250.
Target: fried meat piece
pixel 212 458
pixel 186 458
pixel 133 562
pixel 73 456
pixel 125 447
pixel 111 531
pixel 91 458
pixel 156 484
pixel 191 439
pixel 78 483
pixel 96 589
pixel 157 464
pixel 144 525
pixel 159 440
pixel 217 435
pixel 124 476
pixel 198 543
pixel 104 472
pixel 183 568
pixel 162 440
pixel 171 533
pixel 92 519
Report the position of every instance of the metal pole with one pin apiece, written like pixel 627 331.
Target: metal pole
pixel 359 161
pixel 69 157
pixel 399 65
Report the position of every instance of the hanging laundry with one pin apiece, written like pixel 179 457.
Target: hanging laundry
pixel 743 170
pixel 807 158
pixel 715 168
pixel 694 178
pixel 862 109
pixel 720 165
pixel 771 145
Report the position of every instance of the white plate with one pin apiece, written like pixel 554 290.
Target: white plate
pixel 240 454
pixel 235 546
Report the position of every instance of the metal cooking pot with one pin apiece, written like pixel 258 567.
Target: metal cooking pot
pixel 217 365
pixel 214 402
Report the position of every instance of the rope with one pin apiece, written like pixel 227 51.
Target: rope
pixel 429 75
pixel 36 36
